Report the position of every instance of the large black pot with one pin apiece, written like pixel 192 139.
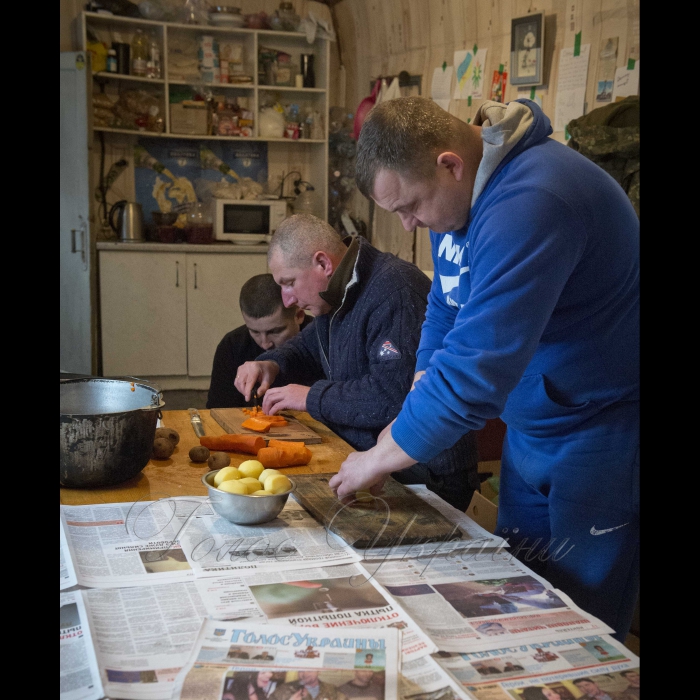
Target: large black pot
pixel 107 429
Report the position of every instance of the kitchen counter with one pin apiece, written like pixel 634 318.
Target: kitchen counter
pixel 177 476
pixel 154 247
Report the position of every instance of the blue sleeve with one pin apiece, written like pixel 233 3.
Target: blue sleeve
pixel 298 359
pixel 521 256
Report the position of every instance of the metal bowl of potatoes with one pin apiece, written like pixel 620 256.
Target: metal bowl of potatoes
pixel 245 510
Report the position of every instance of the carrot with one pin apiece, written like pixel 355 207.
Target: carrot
pixel 257 424
pixel 284 456
pixel 250 444
pixel 286 444
pixel 258 413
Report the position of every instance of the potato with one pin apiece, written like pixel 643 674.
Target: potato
pixel 233 486
pixel 218 460
pixel 251 467
pixel 226 474
pixel 262 492
pixel 199 453
pixel 277 483
pixel 169 433
pixel 251 484
pixel 162 448
pixel 265 473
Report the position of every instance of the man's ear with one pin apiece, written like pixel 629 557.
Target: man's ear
pixel 299 316
pixel 322 260
pixel 453 163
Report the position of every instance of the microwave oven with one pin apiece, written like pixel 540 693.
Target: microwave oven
pixel 247 220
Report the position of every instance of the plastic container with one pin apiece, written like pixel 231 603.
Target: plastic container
pixel 199 228
pixel 112 61
pixel 139 53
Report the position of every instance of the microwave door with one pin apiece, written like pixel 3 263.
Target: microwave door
pixel 246 219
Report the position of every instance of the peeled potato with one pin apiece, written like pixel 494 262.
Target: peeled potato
pixel 277 483
pixel 262 492
pixel 251 484
pixel 233 486
pixel 364 496
pixel 265 473
pixel 251 467
pixel 226 474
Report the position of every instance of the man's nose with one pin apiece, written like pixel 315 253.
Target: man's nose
pixel 267 344
pixel 407 221
pixel 288 299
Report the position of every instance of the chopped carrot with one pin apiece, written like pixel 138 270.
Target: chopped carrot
pixel 250 444
pixel 281 455
pixel 261 426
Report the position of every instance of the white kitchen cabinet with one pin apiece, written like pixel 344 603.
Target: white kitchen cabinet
pixel 164 313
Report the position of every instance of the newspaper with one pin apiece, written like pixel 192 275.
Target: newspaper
pixel 332 597
pixel 175 539
pixel 242 659
pixel 471 538
pixel 293 540
pixel 80 678
pixel 425 679
pixel 462 605
pixel 68 576
pixel 127 544
pixel 504 673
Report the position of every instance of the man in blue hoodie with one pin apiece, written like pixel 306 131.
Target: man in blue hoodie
pixel 533 316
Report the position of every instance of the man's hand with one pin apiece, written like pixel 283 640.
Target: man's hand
pixel 367 471
pixel 251 373
pixel 291 396
pixel 416 378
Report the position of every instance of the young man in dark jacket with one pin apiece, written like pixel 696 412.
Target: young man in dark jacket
pixel 359 355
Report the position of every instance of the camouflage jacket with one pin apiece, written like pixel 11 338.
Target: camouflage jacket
pixel 609 136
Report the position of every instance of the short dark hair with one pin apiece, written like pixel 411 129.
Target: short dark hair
pixel 405 135
pixel 261 296
pixel 626 672
pixel 580 680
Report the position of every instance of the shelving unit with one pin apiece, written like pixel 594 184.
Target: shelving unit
pixel 308 156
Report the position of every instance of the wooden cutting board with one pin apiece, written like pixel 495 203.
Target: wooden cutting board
pixel 230 419
pixel 361 525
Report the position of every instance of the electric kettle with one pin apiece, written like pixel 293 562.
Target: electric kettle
pixel 129 224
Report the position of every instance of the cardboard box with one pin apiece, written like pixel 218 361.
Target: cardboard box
pixel 189 118
pixel 483 512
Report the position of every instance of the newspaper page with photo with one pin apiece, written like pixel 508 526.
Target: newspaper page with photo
pixel 503 673
pixel 80 677
pixel 470 537
pixel 293 540
pixel 68 576
pixel 127 544
pixel 465 604
pixel 425 679
pixel 332 597
pixel 239 659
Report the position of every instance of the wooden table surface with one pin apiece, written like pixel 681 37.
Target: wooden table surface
pixel 177 476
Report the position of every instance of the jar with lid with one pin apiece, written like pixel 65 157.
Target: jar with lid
pixel 199 227
pixel 285 19
pixel 139 53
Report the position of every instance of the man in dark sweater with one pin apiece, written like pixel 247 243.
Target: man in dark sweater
pixel 268 324
pixel 359 355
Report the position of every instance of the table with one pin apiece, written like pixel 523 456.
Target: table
pixel 178 476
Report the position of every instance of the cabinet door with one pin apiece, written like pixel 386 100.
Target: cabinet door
pixel 213 287
pixel 144 313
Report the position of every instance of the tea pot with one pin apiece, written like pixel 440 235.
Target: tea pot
pixel 129 225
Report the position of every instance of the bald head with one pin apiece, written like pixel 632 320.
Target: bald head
pixel 299 236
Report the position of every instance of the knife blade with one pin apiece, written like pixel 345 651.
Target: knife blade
pixel 196 421
pixel 255 399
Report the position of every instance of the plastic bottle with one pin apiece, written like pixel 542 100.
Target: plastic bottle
pixel 153 67
pixel 139 53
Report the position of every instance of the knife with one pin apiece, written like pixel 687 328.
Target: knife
pixel 196 421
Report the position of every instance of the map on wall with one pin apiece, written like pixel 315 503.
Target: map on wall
pixel 171 173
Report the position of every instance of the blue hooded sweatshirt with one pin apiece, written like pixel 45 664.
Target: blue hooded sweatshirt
pixel 533 314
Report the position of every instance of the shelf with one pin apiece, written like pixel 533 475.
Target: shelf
pixel 132 132
pixel 102 75
pixel 196 83
pixel 284 88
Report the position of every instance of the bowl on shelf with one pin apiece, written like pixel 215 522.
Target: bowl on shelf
pixel 244 510
pixel 226 16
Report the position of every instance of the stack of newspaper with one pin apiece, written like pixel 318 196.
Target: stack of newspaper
pixel 165 599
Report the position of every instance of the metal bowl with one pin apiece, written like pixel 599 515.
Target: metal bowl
pixel 244 510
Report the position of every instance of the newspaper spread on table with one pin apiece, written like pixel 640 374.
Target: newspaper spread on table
pixel 176 539
pixel 503 673
pixel 68 575
pixel 240 659
pixel 475 539
pixel 464 604
pixel 80 676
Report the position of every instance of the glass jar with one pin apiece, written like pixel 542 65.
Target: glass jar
pixel 285 19
pixel 199 227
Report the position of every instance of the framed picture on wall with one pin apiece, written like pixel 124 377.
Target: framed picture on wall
pixel 527 50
